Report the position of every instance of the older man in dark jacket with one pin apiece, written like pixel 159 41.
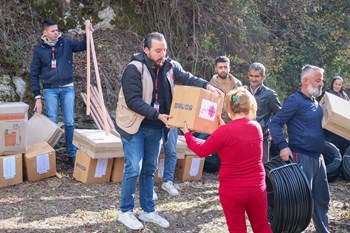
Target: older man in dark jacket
pixel 267 100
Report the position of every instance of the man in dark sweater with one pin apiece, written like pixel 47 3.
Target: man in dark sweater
pixel 303 116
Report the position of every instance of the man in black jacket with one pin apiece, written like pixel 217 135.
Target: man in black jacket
pixel 52 64
pixel 267 100
pixel 142 113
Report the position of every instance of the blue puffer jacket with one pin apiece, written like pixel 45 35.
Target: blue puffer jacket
pixel 41 64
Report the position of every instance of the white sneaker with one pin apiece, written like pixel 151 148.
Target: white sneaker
pixel 155 196
pixel 128 219
pixel 155 218
pixel 170 188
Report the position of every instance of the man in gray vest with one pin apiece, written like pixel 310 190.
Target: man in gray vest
pixel 142 114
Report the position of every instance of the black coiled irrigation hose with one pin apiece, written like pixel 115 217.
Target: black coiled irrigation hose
pixel 346 164
pixel 289 196
pixel 332 159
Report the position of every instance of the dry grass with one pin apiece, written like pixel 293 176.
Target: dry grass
pixel 65 205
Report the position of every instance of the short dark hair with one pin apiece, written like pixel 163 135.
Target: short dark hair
pixel 258 67
pixel 47 23
pixel 222 59
pixel 147 42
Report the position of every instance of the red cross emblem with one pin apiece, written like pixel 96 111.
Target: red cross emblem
pixel 211 111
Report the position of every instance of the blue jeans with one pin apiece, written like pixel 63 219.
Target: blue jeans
pixel 170 154
pixel 64 97
pixel 140 159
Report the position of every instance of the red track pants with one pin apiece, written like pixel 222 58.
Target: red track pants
pixel 236 201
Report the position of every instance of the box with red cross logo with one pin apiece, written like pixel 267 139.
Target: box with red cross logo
pixel 197 106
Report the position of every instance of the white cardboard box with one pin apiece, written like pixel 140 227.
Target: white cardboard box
pixel 97 144
pixel 336 115
pixel 42 129
pixel 13 128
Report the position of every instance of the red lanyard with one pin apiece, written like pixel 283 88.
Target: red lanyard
pixel 157 84
pixel 53 53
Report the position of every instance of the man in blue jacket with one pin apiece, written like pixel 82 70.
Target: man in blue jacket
pixel 52 65
pixel 142 114
pixel 303 116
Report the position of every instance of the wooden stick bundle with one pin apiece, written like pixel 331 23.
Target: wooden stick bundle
pixel 90 43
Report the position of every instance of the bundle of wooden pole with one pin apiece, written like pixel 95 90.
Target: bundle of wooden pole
pixel 101 114
pixel 97 109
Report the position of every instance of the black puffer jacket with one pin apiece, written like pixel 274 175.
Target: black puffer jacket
pixel 132 85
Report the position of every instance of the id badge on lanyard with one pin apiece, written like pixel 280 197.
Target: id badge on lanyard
pixel 156 106
pixel 156 103
pixel 53 61
pixel 53 64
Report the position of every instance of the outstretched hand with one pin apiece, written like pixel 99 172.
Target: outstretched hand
pixel 185 128
pixel 215 90
pixel 164 118
pixel 221 121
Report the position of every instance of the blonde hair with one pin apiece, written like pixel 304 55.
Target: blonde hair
pixel 241 101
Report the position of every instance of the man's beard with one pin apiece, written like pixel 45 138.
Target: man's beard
pixel 314 91
pixel 223 75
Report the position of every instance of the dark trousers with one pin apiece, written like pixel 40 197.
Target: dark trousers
pixel 315 171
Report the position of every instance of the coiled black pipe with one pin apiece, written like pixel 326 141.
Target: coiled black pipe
pixel 346 164
pixel 289 196
pixel 332 159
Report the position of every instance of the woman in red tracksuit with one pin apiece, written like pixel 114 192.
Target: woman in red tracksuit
pixel 242 177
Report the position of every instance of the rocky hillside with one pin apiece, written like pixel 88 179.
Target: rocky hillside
pixel 114 49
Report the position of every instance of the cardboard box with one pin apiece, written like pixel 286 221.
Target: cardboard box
pixel 97 144
pixel 197 106
pixel 13 128
pixel 188 151
pixel 11 172
pixel 189 168
pixel 92 171
pixel 39 162
pixel 118 170
pixel 336 115
pixel 159 173
pixel 42 129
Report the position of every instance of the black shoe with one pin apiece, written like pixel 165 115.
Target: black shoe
pixel 71 161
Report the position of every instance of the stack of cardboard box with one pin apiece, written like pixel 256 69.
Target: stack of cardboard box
pixel 96 155
pixel 20 155
pixel 191 166
pixel 13 142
